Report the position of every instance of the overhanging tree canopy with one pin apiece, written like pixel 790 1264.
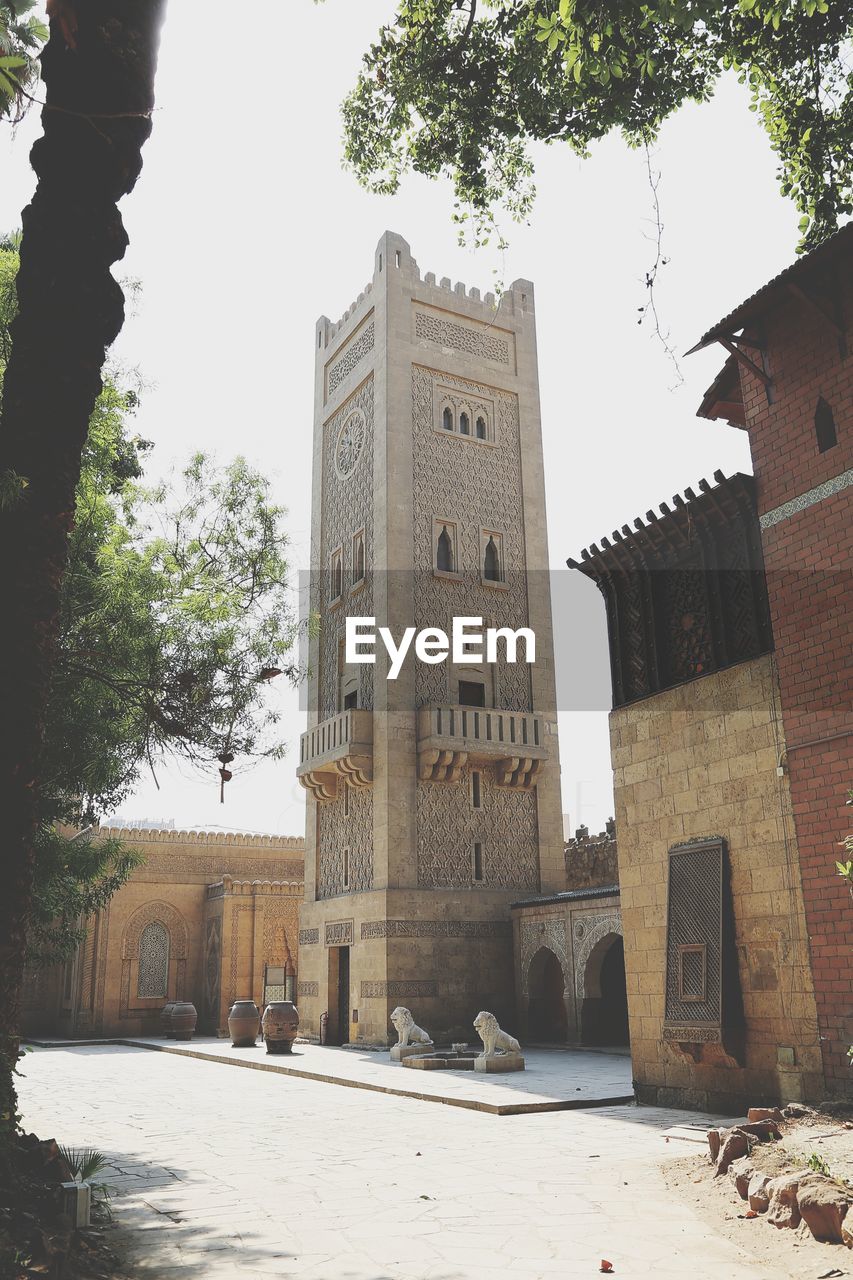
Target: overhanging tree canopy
pixel 461 88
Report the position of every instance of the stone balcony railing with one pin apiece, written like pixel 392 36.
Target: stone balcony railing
pixel 451 736
pixel 335 749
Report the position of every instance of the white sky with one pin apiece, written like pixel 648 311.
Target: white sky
pixel 244 229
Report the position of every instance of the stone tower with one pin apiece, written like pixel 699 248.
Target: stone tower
pixel 433 798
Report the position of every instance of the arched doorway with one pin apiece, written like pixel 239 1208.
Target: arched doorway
pixel 604 1011
pixel 546 1011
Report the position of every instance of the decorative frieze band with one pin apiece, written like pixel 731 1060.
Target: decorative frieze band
pixel 339 933
pixel 804 500
pixel 308 936
pixel 692 1035
pixel 401 990
pixel 435 929
pixel 307 988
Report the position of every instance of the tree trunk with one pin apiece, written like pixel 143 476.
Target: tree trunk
pixel 98 74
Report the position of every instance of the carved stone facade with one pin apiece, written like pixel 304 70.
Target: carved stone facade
pixel 171 934
pixel 437 486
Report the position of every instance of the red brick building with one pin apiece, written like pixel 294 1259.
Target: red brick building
pixel 788 382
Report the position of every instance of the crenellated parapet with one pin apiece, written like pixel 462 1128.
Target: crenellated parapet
pixel 591 860
pixel 224 839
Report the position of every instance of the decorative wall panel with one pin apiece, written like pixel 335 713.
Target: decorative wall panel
pixel 338 830
pixel 480 341
pixel 153 973
pixel 505 826
pixel 352 355
pixel 549 932
pixel 477 487
pixel 405 988
pixel 435 929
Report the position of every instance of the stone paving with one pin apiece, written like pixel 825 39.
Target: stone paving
pixel 221 1172
pixel 554 1079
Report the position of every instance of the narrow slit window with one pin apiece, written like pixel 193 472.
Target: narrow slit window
pixel 464 424
pixel 476 790
pixel 346 868
pixel 824 426
pixel 346 800
pixel 492 561
pixel 447 418
pixel 358 558
pixel 336 575
pixel 481 427
pixel 477 860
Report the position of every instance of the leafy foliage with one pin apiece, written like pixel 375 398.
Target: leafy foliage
pixel 20 40
pixel 456 88
pixel 174 614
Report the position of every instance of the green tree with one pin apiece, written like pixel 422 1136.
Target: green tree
pixel 98 76
pixel 174 612
pixel 456 88
pixel 21 37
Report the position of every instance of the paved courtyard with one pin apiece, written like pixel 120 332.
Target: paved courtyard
pixel 225 1172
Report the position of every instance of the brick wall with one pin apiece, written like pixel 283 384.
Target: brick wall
pixel 696 761
pixel 808 555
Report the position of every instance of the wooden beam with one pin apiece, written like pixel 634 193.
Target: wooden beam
pixel 743 358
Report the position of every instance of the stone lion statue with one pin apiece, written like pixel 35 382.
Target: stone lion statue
pixel 494 1040
pixel 407 1030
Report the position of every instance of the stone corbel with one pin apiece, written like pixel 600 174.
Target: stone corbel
pixel 518 772
pixel 441 766
pixel 353 771
pixel 323 786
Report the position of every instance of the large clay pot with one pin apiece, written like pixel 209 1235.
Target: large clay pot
pixel 244 1020
pixel 166 1019
pixel 184 1018
pixel 280 1025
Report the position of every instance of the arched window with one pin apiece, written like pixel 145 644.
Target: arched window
pixel 447 418
pixel 444 551
pixel 153 980
pixel 824 425
pixel 464 424
pixel 336 584
pixel 481 427
pixel 492 561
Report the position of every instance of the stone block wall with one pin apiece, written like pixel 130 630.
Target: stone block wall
pixel 695 761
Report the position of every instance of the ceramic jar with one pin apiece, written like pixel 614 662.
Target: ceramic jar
pixel 183 1020
pixel 243 1022
pixel 166 1019
pixel 280 1025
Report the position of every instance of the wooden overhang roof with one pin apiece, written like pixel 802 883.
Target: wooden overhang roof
pixel 723 399
pixel 665 537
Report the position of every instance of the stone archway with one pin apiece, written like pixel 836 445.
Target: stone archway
pixel 547 1022
pixel 604 1007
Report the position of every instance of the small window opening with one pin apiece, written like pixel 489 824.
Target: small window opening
pixel 346 801
pixel 478 860
pixel 337 576
pixel 346 867
pixel 472 693
pixel 358 558
pixel 320 339
pixel 380 262
pixel 492 562
pixel 464 424
pixel 397 258
pixel 350 700
pixel 476 791
pixel 444 551
pixel 824 425
pixel 447 419
pixel 481 428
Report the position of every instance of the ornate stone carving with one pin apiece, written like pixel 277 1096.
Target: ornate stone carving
pixel 494 1040
pixel 480 341
pixel 587 932
pixel 212 971
pixel 353 354
pixel 408 1032
pixel 308 936
pixel 339 933
pixel 238 910
pixel 548 932
pixel 435 929
pixel 488 495
pixel 308 989
pixel 505 827
pixel 406 988
pixel 279 930
pixel 338 830
pixel 350 443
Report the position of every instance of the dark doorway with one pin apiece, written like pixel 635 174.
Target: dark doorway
pixel 604 1013
pixel 547 1022
pixel 337 1031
